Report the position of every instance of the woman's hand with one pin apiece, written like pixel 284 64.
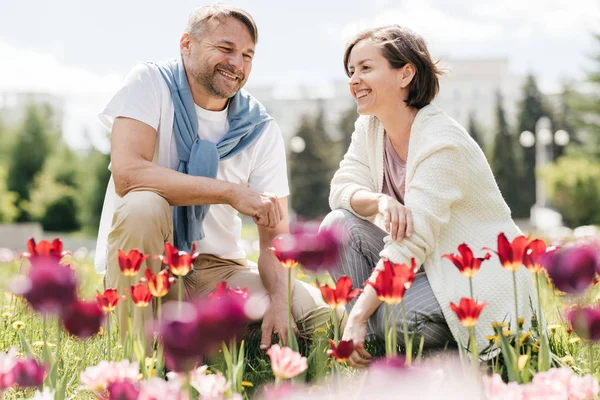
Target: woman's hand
pixel 356 330
pixel 397 218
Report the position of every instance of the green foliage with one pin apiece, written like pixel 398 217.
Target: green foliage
pixel 8 208
pixel 92 181
pixel 585 105
pixel 312 169
pixel 54 195
pixel 346 126
pixel 28 156
pixel 504 159
pixel 475 131
pixel 573 186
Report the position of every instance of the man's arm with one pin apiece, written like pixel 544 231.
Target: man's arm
pixel 132 150
pixel 275 278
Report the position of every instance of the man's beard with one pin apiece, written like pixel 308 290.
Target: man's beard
pixel 208 78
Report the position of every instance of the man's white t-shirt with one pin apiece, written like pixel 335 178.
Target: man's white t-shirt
pixel 261 166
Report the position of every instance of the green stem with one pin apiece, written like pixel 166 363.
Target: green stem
pixel 180 291
pixel 387 331
pixel 130 318
pixel 471 287
pixel 108 335
pixel 541 328
pixel 517 330
pixel 394 332
pixel 290 338
pixel 591 351
pixel 407 343
pixel 336 327
pixel 474 352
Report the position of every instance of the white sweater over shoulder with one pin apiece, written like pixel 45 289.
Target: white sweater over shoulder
pixel 454 199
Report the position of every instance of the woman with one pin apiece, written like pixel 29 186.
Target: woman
pixel 406 154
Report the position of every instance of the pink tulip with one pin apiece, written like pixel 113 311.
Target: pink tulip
pixel 7 362
pixel 125 390
pixel 285 362
pixel 159 389
pixel 98 377
pixel 28 373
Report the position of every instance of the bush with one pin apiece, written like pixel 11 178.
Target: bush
pixel 61 215
pixel 573 186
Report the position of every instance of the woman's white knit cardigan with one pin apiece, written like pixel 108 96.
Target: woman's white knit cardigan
pixel 454 199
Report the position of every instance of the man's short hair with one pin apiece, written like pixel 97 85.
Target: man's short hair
pixel 201 17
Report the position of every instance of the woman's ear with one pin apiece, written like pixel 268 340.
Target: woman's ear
pixel 407 74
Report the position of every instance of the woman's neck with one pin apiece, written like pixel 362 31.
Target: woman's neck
pixel 397 124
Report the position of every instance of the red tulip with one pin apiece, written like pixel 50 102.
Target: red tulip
pixel 158 284
pixel 534 255
pixel 140 294
pixel 28 373
pixel 83 319
pixel 393 281
pixel 108 300
pixel 511 254
pixel 342 351
pixel 586 322
pixel 465 262
pixel 130 263
pixel 50 288
pixel 284 248
pixel 468 311
pixel 341 294
pixel 180 263
pixel 44 252
pixel 223 290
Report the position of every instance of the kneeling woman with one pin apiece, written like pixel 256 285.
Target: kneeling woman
pixel 406 152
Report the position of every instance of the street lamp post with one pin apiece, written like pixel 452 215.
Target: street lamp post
pixel 541 215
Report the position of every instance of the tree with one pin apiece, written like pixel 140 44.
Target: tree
pixel 93 178
pixel 346 127
pixel 504 160
pixel 475 131
pixel 53 198
pixel 311 170
pixel 530 109
pixel 29 153
pixel 586 106
pixel 8 209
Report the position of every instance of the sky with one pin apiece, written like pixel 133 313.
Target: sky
pixel 81 50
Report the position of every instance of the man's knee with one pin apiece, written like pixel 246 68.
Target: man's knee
pixel 143 208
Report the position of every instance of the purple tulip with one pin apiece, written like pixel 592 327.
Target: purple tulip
pixel 28 373
pixel 572 268
pixel 124 390
pixel 586 322
pixel 199 328
pixel 49 289
pixel 83 319
pixel 315 250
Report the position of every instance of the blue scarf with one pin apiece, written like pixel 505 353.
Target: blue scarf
pixel 246 117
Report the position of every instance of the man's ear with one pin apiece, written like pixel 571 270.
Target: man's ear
pixel 407 74
pixel 184 44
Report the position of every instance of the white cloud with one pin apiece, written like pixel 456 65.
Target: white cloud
pixel 84 93
pixel 478 22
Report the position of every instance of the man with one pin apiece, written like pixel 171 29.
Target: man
pixel 190 150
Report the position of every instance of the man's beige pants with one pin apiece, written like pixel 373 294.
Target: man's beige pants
pixel 143 221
